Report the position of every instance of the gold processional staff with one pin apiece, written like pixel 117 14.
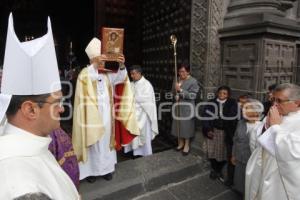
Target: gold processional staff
pixel 173 39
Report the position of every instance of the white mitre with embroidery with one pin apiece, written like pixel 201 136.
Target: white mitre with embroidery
pixel 30 68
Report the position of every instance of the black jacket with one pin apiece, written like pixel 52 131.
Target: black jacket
pixel 229 110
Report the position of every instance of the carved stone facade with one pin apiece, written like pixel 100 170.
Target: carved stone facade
pixel 251 65
pixel 199 36
pixel 213 65
pixel 241 64
pixel 259 46
pixel 207 19
pixel 279 63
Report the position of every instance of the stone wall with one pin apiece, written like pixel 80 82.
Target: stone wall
pixel 207 19
pixel 259 45
pixel 251 64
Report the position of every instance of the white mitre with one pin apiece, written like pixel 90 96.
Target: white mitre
pixel 30 68
pixel 93 49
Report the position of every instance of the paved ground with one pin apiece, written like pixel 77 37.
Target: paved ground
pixel 199 187
pixel 163 176
pixel 138 176
pixel 166 175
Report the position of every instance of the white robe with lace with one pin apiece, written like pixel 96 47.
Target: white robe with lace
pixel 147 118
pixel 273 168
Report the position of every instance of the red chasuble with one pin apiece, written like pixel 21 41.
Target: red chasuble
pixel 122 135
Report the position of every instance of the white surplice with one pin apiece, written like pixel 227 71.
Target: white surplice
pixel 147 118
pixel 26 166
pixel 101 159
pixel 273 169
pixel 254 134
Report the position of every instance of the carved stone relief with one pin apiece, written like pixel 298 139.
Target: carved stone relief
pixel 250 66
pixel 207 19
pixel 279 62
pixel 241 65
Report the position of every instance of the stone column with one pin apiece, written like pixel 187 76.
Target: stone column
pixel 258 46
pixel 246 7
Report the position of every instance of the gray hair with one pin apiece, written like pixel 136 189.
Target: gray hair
pixel 256 105
pixel 294 90
pixel 33 196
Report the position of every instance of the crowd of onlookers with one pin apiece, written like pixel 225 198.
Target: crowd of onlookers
pixel 257 142
pixel 238 130
pixel 231 137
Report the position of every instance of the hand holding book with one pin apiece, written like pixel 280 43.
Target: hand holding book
pixel 112 47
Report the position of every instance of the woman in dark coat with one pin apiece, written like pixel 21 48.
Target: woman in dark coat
pixel 218 129
pixel 185 92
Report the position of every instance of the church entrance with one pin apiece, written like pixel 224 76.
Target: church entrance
pixel 74 23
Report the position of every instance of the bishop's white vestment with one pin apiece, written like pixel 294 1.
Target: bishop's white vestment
pixel 26 166
pixel 101 158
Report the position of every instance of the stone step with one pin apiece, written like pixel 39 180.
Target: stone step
pixel 139 176
pixel 199 187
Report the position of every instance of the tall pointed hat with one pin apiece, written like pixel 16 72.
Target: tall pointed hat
pixel 93 49
pixel 29 68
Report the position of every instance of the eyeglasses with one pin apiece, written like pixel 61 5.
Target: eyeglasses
pixel 59 102
pixel 281 101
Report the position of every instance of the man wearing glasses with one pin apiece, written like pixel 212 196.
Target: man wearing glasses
pixel 273 169
pixel 31 100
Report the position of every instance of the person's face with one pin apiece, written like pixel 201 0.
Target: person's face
pixel 270 95
pixel 135 75
pixel 113 36
pixel 249 112
pixel 283 103
pixel 223 94
pixel 49 115
pixel 98 61
pixel 242 101
pixel 183 74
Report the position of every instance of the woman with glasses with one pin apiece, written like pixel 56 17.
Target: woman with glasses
pixel 183 126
